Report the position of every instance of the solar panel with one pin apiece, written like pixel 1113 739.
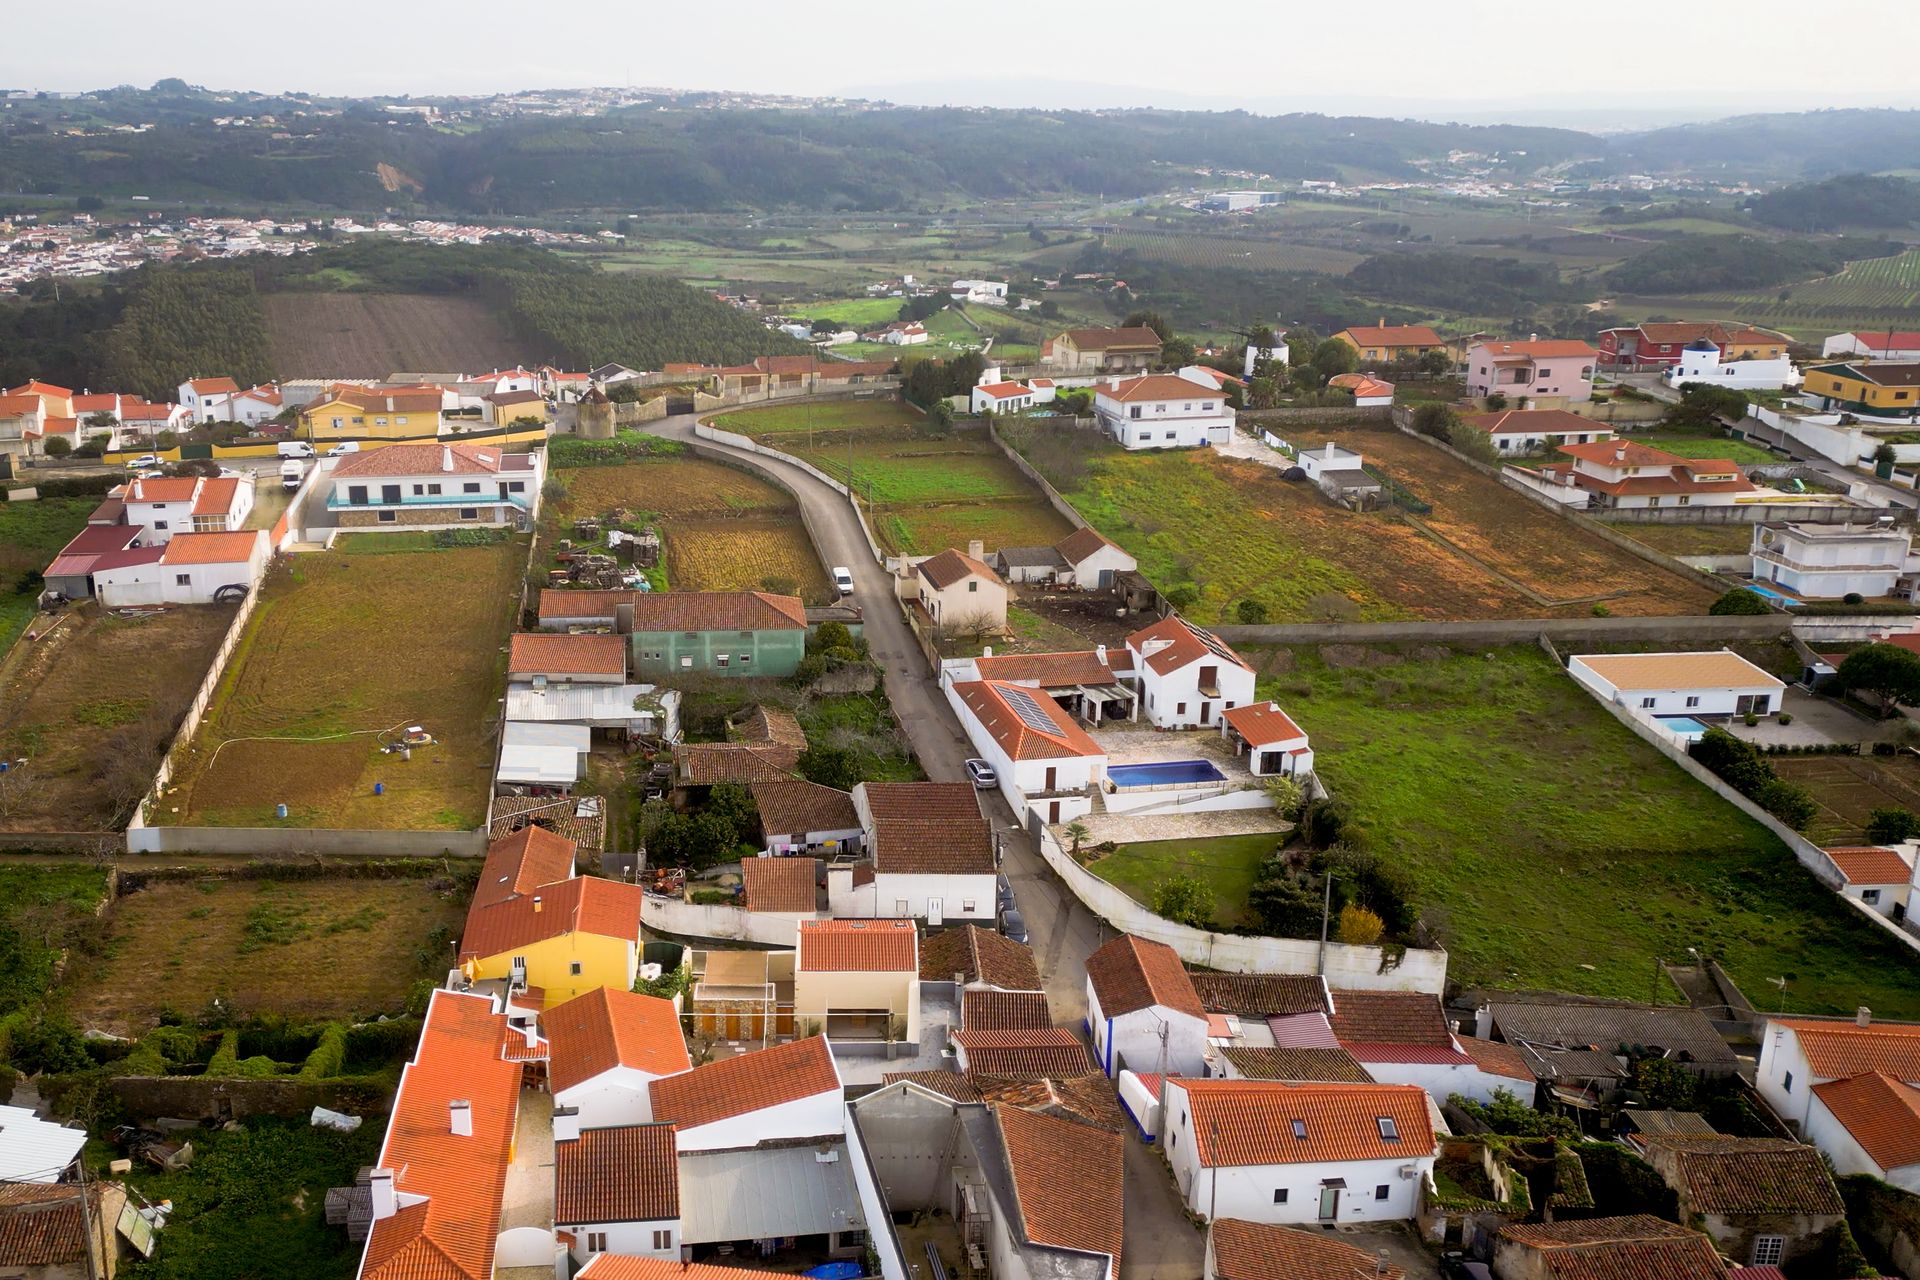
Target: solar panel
pixel 1028 708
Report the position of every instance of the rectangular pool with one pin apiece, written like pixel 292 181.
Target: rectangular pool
pixel 1165 773
pixel 1771 594
pixel 1685 726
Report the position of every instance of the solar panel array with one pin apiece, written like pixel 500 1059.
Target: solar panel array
pixel 1028 708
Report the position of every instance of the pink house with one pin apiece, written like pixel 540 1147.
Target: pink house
pixel 1547 373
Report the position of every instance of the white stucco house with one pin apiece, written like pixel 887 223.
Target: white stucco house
pixel 1291 1153
pixel 1515 432
pixel 1848 1088
pixel 1000 397
pixel 1163 411
pixel 1188 676
pixel 928 855
pixel 605 1048
pixel 858 980
pixel 404 486
pixel 1829 561
pixel 190 568
pixel 1715 683
pixel 1901 344
pixel 1627 475
pixel 1867 1123
pixel 1402 1037
pixel 1043 760
pixel 201 398
pixel 790 1090
pixel 959 592
pixel 166 505
pixel 1702 362
pixel 1878 876
pixel 616 1190
pixel 1268 737
pixel 1094 560
pixel 1143 1013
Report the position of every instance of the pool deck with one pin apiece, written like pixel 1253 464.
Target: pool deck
pixel 1126 742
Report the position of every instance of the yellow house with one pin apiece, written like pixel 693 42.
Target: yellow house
pixel 858 979
pixel 374 413
pixel 1384 342
pixel 1880 388
pixel 534 922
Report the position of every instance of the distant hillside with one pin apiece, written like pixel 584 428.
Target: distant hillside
pixel 1851 200
pixel 1811 144
pixel 1705 264
pixel 151 328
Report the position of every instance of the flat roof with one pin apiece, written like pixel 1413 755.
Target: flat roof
pixel 1722 669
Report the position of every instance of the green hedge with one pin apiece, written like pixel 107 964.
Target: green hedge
pixel 628 446
pixel 329 1057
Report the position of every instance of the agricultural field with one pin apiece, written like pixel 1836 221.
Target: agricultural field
pixel 1495 782
pixel 257 944
pixel 1250 252
pixel 1869 294
pixel 30 534
pixel 1233 530
pixel 1228 865
pixel 343 650
pixel 91 708
pixel 370 335
pixel 1691 539
pixel 1715 447
pixel 852 313
pixel 1849 788
pixel 837 420
pixel 745 555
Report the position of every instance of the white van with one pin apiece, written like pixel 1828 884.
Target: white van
pixel 295 449
pixel 292 472
pixel 345 446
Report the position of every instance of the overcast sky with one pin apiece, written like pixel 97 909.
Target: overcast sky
pixel 1463 59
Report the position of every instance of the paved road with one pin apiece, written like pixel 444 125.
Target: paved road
pixel 1160 1243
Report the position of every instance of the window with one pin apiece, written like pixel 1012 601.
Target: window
pixel 720 659
pixel 471 486
pixel 339 423
pixel 433 488
pixel 1381 1192
pixel 573 967
pixel 1179 708
pixel 388 517
pixel 596 1242
pixel 1133 411
pixel 419 489
pixel 1786 1083
pixel 973 584
pixel 900 906
pixel 517 486
pixel 745 658
pixel 1646 702
pixel 1299 1130
pixel 967 906
pixel 1173 1140
pixel 1767 1250
pixel 400 421
pixel 469 513
pixel 848 1239
pixel 663 1239
pixel 159 524
pixel 685 662
pixel 1279 1195
pixel 379 422
pixel 1173 435
pixel 1207 407
pixel 1389 1131
pixel 1686 499
pixel 1693 701
pixel 186 580
pixel 1868 896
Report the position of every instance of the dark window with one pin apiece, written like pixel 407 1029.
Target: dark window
pixel 470 487
pixel 1380 1192
pixel 1299 1130
pixel 389 517
pixel 1389 1131
pixel 469 513
pixel 1279 1195
pixel 186 580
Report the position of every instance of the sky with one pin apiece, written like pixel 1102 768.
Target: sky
pixel 1531 61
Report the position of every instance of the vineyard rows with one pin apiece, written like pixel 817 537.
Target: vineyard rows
pixel 1235 252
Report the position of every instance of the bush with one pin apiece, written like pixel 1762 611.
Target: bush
pixel 1251 613
pixel 1785 717
pixel 1892 825
pixel 329 1057
pixel 711 897
pixel 1358 926
pixel 56 446
pixel 1184 900
pixel 1738 601
pixel 1853 597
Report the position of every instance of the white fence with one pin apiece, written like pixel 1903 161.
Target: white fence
pixel 1359 968
pixel 718 921
pixel 733 440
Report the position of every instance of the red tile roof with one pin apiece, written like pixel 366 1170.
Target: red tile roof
pixel 36 387
pixel 794 808
pixel 520 863
pixel 450 1235
pixel 1186 644
pixel 557 653
pixel 1536 422
pixel 1067 1180
pixel 603 1029
pixel 420 460
pixel 216 496
pixel 213 386
pixel 1497 1058
pixel 1048 670
pixel 979 955
pixel 1252 1122
pixel 780 884
pixel 984 1009
pixel 1260 995
pixel 1297 1063
pixel 998 706
pixel 1882 1114
pixel 1156 386
pixel 1728 1175
pixel 1261 1251
pixel 1083 542
pixel 1263 724
pixel 1899 340
pixel 1626 453
pixel 212 548
pixel 1005 390
pixel 1049 1051
pixel 950 566
pixel 626 1174
pixel 618 1266
pixel 585 904
pixel 1394 335
pixel 1837 1049
pixel 163 489
pixel 1641 1247
pixel 746 1083
pixel 42 1225
pixel 1129 974
pixel 859 946
pixel 1361 385
pixel 681 610
pixel 1871 864
pixel 927 828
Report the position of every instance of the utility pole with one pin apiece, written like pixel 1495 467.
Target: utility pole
pixel 1326 911
pixel 1213 1178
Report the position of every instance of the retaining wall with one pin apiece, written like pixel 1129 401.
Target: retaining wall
pixel 1839 628
pixel 197 1097
pixel 1753 513
pixel 1501 631
pixel 335 841
pixel 1361 968
pixel 1047 490
pixel 699 920
pixel 732 440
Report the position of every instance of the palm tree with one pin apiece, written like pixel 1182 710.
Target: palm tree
pixel 1077 832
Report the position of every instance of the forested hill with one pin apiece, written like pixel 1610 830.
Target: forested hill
pixel 147 330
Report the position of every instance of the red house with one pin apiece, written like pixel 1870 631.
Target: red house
pixel 1661 344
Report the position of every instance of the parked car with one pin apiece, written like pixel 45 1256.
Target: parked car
pixel 843 579
pixel 294 449
pixel 344 447
pixel 981 774
pixel 144 461
pixel 1455 1265
pixel 1013 924
pixel 1004 890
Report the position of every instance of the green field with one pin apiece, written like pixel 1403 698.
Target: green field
pixel 30 534
pixel 1226 863
pixel 1714 447
pixel 854 313
pixel 1873 293
pixel 789 419
pixel 1255 252
pixel 1555 848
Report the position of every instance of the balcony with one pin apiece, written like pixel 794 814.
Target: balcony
pixel 1805 566
pixel 491 499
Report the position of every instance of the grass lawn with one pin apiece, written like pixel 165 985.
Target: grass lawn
pixel 42 908
pixel 852 313
pixel 30 534
pixel 1226 863
pixel 1692 539
pixel 1715 447
pixel 785 419
pixel 1558 849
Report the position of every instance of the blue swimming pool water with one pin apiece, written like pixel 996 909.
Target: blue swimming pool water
pixel 1163 773
pixel 1683 724
pixel 1771 594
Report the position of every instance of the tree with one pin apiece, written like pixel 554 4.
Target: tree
pixel 1496 401
pixel 1077 832
pixel 940 418
pixel 1333 357
pixel 1739 601
pixel 824 327
pixel 1149 320
pixel 1883 455
pixel 1435 362
pixel 835 767
pixel 1358 926
pixel 1301 344
pixel 56 446
pixel 1702 407
pixel 1436 420
pixel 1509 1116
pixel 1892 826
pixel 1285 905
pixel 1472 441
pixel 1260 337
pixel 1891 674
pixel 1251 613
pixel 1285 792
pixel 1176 353
pixel 1790 802
pixel 1184 900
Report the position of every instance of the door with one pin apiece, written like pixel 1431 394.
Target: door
pixel 1329 1203
pixel 1053 813
pixel 1053 776
pixel 935 914
pixel 1206 712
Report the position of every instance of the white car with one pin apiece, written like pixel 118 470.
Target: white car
pixel 349 446
pixel 144 461
pixel 843 579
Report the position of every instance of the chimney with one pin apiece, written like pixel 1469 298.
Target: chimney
pixel 986 651
pixel 977 549
pixel 460 1115
pixel 1862 1016
pixel 566 1124
pixel 536 904
pixel 446 457
pixel 1620 453
pixel 1533 337
pixel 385 1202
pixel 1383 322
pixel 1100 654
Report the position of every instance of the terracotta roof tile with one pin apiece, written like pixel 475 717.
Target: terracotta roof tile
pixel 950 566
pixel 1707 670
pixel 1632 1248
pixel 1394 335
pixel 1390 1017
pixel 1129 974
pixel 745 1083
pixel 420 460
pixel 858 946
pixel 1083 542
pixel 163 489
pixel 216 496
pixel 212 548
pixel 1260 995
pixel 1013 714
pixel 1497 1059
pixel 1263 724
pixel 1261 1251
pixel 520 863
pixel 1252 1122
pixel 1067 1179
pixel 213 386
pixel 1051 1051
pixel 983 1009
pixel 556 653
pixel 603 1029
pixel 1747 1175
pixel 927 828
pixel 690 610
pixel 795 807
pixel 979 955
pixel 1882 1114
pixel 1048 670
pixel 1185 643
pixel 41 1224
pixel 1156 386
pixel 1837 1049
pixel 1137 338
pixel 1543 348
pixel 617 1266
pixel 780 884
pixel 585 904
pixel 1330 1066
pixel 1871 864
pixel 628 1174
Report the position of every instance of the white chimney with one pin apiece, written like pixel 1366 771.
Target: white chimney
pixel 1100 654
pixel 566 1124
pixel 446 457
pixel 536 904
pixel 1620 453
pixel 986 651
pixel 1330 451
pixel 460 1115
pixel 977 549
pixel 1533 337
pixel 385 1202
pixel 1863 1016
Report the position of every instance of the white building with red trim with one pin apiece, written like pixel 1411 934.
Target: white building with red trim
pixel 1273 744
pixel 1625 474
pixel 1001 397
pixel 1164 411
pixel 1187 676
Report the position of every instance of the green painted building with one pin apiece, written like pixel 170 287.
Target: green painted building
pixel 669 633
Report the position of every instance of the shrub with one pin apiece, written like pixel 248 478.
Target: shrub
pixel 1853 597
pixel 1184 900
pixel 1251 613
pixel 1892 825
pixel 57 446
pixel 712 897
pixel 1358 926
pixel 1738 601
pixel 1601 611
pixel 1785 717
pixel 329 1057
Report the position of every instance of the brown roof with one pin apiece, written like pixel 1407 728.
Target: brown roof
pixel 1263 724
pixel 858 946
pixel 746 1082
pixel 1136 338
pixel 1185 643
pixel 1157 386
pixel 1836 1049
pixel 1722 669
pixel 1262 1251
pixel 1497 1058
pixel 928 828
pixel 41 1224
pixel 1331 1066
pixel 1640 1247
pixel 621 1266
pixel 1260 994
pixel 718 611
pixel 420 460
pixel 236 547
pixel 950 566
pixel 1871 864
pixel 765 746
pixel 1394 335
pixel 520 863
pixel 1067 1180
pixel 1129 974
pixel 780 884
pixel 983 1009
pixel 584 904
pixel 628 1174
pixel 1390 1017
pixel 556 653
pixel 1050 1051
pixel 1048 670
pixel 1252 1122
pixel 1083 542
pixel 603 1029
pixel 1089 1096
pixel 1027 723
pixel 1882 1114
pixel 1672 331
pixel 1721 1174
pixel 979 955
pixel 795 807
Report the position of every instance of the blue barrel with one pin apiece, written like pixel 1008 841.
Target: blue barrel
pixel 280 811
pixel 379 788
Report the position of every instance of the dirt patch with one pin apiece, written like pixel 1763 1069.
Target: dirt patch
pixel 1088 615
pixel 371 335
pixel 91 708
pixel 1849 788
pixel 744 555
pixel 668 487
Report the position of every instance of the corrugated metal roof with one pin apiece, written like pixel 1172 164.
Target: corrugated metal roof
pixel 34 1150
pixel 586 703
pixel 757 1194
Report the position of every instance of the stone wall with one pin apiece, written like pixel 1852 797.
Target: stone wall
pixel 490 514
pixel 1503 631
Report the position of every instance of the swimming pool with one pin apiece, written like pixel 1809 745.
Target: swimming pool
pixel 1771 594
pixel 1685 726
pixel 1165 773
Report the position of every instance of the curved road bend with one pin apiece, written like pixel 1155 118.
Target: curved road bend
pixel 1160 1242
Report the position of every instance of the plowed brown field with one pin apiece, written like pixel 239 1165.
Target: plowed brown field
pixel 370 335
